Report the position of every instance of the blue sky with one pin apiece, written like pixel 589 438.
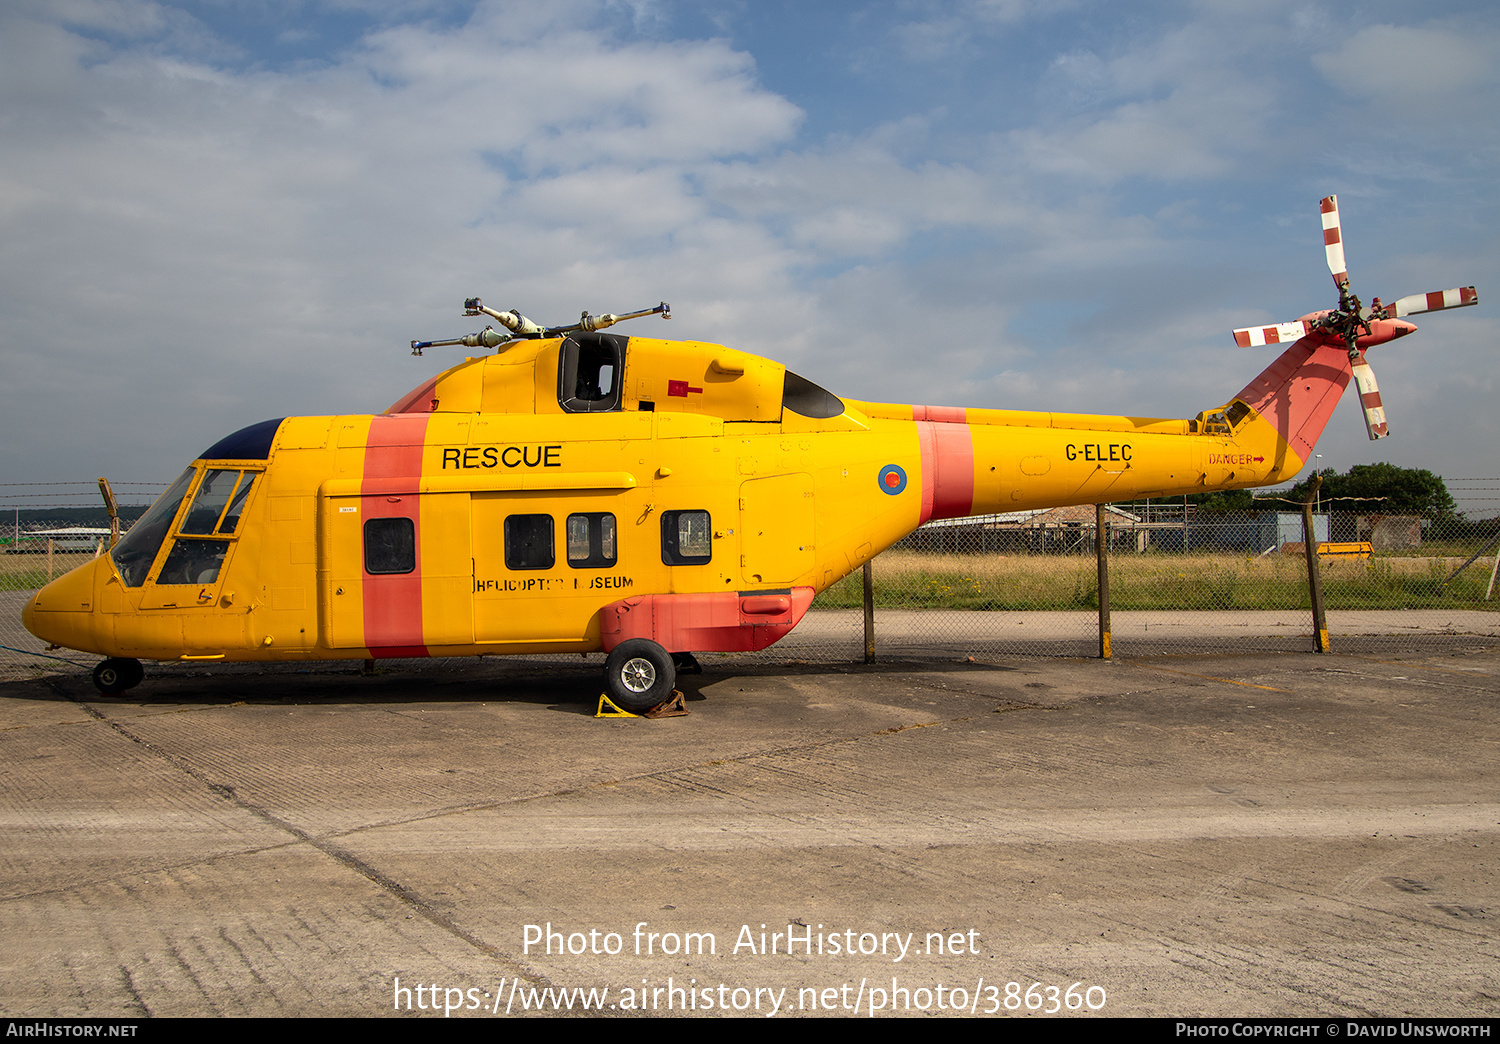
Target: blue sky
pixel 218 212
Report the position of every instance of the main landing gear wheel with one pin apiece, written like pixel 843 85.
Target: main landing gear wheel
pixel 115 675
pixel 639 675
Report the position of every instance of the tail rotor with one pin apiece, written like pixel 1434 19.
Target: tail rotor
pixel 1354 326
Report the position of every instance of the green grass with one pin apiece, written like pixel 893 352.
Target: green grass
pixel 29 572
pixel 1155 581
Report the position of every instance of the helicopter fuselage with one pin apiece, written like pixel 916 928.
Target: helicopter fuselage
pixel 570 494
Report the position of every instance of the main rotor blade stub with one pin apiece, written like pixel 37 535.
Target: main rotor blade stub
pixel 1281 333
pixel 1369 399
pixel 1416 304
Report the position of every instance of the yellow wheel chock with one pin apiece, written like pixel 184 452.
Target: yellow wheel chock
pixel 672 707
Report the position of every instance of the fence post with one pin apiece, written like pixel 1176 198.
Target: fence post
pixel 49 558
pixel 1314 578
pixel 1101 551
pixel 869 612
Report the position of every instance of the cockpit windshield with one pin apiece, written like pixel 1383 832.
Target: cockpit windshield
pixel 137 549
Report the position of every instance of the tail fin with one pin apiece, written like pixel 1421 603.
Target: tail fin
pixel 1298 392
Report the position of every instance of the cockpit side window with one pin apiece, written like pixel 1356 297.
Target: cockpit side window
pixel 588 373
pixel 208 503
pixel 237 504
pixel 193 562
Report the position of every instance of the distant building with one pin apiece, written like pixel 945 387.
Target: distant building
pixel 70 539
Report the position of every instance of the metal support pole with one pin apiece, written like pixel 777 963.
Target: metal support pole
pixel 1101 552
pixel 1314 578
pixel 1493 570
pixel 869 613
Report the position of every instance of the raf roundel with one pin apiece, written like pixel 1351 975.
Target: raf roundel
pixel 892 479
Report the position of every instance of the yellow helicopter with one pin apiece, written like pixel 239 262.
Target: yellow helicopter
pixel 578 491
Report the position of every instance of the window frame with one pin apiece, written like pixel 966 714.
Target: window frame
pixel 512 561
pixel 671 537
pixel 596 557
pixel 586 348
pixel 411 534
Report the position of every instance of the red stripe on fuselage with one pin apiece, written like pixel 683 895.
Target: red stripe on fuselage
pixel 945 414
pixel 947 445
pixel 393 603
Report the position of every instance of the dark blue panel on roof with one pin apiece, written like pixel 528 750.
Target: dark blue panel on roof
pixel 252 443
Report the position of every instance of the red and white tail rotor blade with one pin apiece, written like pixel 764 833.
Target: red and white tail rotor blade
pixel 1333 242
pixel 1416 304
pixel 1281 333
pixel 1369 399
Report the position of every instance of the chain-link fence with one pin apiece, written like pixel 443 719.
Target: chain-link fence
pixel 1027 584
pixel 1179 581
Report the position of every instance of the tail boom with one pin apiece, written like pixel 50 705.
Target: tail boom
pixel 980 461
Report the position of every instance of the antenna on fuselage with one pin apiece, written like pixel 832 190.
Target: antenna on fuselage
pixel 522 328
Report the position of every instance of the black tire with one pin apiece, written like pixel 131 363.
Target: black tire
pixel 115 675
pixel 639 675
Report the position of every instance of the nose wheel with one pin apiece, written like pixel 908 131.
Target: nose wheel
pixel 639 675
pixel 115 675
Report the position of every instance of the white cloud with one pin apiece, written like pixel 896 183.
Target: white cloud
pixel 1409 70
pixel 950 29
pixel 1172 106
pixel 210 246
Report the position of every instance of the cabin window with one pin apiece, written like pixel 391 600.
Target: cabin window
pixel 528 542
pixel 806 399
pixel 686 538
pixel 390 546
pixel 137 549
pixel 591 540
pixel 588 373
